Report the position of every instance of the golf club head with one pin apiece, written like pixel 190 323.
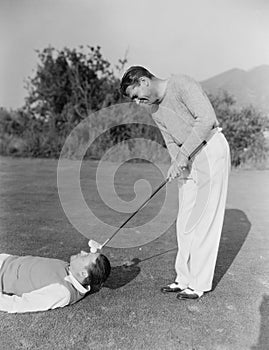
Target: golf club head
pixel 94 246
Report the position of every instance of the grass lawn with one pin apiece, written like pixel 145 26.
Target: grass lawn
pixel 130 312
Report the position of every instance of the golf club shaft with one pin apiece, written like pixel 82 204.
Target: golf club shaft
pixel 197 149
pixel 141 206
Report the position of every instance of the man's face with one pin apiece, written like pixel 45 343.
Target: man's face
pixel 141 92
pixel 82 260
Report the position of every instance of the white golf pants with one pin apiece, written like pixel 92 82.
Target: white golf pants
pixel 200 217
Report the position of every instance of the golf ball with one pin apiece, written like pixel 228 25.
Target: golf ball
pixel 93 250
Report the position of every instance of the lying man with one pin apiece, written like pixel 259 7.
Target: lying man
pixel 31 283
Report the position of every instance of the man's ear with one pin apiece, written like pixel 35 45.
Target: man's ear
pixel 144 80
pixel 84 273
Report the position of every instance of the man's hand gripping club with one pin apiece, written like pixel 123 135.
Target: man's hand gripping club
pixel 179 167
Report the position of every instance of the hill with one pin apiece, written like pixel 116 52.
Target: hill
pixel 248 87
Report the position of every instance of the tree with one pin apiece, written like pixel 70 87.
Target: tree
pixel 70 84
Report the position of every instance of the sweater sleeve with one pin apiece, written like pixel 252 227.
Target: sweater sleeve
pixel 172 147
pixel 49 297
pixel 190 93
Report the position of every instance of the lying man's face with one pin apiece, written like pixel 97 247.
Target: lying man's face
pixel 81 261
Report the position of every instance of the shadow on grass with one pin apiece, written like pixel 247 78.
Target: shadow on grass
pixel 121 275
pixel 235 230
pixel 263 341
pixel 234 233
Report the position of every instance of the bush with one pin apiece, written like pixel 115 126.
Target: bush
pixel 244 129
pixel 122 123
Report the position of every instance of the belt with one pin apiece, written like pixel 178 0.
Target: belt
pixel 213 131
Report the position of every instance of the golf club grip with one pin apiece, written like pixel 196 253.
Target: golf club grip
pixel 197 149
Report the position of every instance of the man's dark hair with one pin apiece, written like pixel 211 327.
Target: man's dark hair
pixel 132 76
pixel 98 272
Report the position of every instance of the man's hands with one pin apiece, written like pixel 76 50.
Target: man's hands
pixel 179 167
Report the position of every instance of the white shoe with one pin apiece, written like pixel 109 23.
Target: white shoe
pixel 173 287
pixel 190 293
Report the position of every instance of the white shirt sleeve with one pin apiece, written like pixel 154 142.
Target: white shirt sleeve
pixel 48 297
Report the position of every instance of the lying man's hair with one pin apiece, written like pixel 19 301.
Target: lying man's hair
pixel 132 76
pixel 98 272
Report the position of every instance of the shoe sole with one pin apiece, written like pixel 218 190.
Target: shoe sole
pixel 171 291
pixel 188 297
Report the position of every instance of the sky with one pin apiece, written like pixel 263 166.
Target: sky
pixel 200 38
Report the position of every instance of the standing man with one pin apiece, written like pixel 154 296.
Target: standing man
pixel 186 119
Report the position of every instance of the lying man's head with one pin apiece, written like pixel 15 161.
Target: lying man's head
pixel 90 269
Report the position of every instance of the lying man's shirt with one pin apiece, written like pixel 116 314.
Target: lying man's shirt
pixel 29 284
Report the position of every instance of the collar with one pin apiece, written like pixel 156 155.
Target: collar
pixel 71 279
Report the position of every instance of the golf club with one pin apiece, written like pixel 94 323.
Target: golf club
pixel 94 246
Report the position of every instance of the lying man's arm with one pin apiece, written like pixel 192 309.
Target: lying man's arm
pixel 49 297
